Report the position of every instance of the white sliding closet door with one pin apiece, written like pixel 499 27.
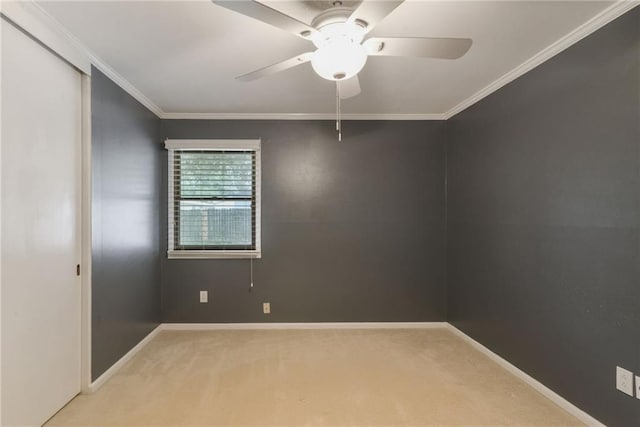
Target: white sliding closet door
pixel 41 155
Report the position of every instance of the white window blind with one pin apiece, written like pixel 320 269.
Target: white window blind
pixel 214 198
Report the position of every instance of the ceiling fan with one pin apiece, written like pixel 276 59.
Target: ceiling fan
pixel 338 34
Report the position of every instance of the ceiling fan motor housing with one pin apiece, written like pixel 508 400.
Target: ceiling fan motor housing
pixel 334 23
pixel 330 16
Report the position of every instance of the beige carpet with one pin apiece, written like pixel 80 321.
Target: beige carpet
pixel 390 377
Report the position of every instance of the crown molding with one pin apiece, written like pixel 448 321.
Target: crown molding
pixel 46 20
pixel 296 116
pixel 92 58
pixel 603 18
pixel 126 86
pixel 28 17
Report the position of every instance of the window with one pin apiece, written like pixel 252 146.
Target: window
pixel 214 198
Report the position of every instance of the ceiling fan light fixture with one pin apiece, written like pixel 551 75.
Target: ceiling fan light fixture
pixel 339 60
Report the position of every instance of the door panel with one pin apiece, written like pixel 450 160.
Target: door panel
pixel 41 154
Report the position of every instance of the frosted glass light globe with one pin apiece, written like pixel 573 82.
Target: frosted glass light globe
pixel 339 59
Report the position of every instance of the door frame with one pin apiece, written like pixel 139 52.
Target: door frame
pixel 86 239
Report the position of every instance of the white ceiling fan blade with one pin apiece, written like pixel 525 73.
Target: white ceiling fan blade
pixel 443 48
pixel 269 16
pixel 349 88
pixel 276 68
pixel 371 12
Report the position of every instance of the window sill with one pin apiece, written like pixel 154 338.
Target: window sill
pixel 213 254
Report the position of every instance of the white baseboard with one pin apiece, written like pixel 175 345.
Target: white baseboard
pixel 99 382
pixel 535 384
pixel 313 325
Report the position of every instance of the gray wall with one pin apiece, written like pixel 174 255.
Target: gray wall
pixel 542 236
pixel 351 230
pixel 126 222
pixel 543 214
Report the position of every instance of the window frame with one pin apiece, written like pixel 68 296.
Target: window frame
pixel 173 145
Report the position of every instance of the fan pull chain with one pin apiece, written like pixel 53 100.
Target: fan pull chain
pixel 251 268
pixel 337 105
pixel 338 112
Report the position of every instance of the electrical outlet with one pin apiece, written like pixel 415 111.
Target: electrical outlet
pixel 624 380
pixel 204 296
pixel 266 307
pixel 637 387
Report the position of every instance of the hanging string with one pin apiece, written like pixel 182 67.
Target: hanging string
pixel 338 112
pixel 251 264
pixel 337 105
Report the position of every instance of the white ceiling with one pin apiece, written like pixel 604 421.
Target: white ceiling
pixel 183 55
